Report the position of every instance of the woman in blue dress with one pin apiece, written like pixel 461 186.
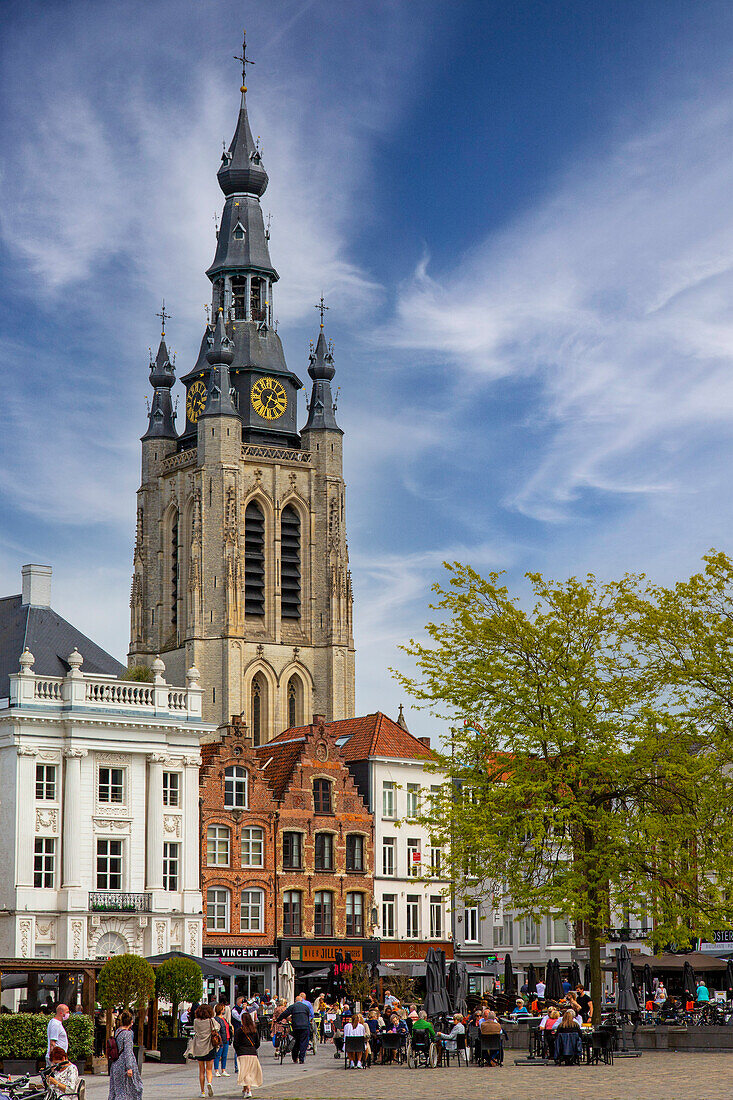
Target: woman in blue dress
pixel 124 1076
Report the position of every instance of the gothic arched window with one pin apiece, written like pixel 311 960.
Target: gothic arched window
pixel 254 560
pixel 259 691
pixel 290 563
pixel 239 297
pixel 295 701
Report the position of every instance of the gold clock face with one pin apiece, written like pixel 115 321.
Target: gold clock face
pixel 195 400
pixel 269 398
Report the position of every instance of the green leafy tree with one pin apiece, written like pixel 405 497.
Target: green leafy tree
pixel 126 981
pixel 575 787
pixel 358 982
pixel 141 673
pixel 179 980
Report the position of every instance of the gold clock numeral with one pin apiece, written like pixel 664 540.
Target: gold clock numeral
pixel 195 400
pixel 269 399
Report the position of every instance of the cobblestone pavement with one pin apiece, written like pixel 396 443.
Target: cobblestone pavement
pixel 654 1076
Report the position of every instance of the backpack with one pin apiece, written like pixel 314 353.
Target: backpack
pixel 113 1051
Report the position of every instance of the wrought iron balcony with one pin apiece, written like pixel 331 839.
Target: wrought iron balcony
pixel 111 901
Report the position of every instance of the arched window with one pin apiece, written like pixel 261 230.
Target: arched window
pixel 295 701
pixel 217 910
pixel 322 796
pixel 172 554
pixel 217 846
pixel 291 913
pixel 257 299
pixel 235 788
pixel 323 914
pixel 354 914
pixel 258 710
pixel 111 943
pixel 290 563
pixel 239 297
pixel 354 852
pixel 251 911
pixel 254 560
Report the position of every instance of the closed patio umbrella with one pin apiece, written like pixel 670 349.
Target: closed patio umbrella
pixel 627 1002
pixel 531 980
pixel 648 981
pixel 574 974
pixel 553 982
pixel 510 987
pixel 586 976
pixel 689 982
pixel 729 975
pixel 453 983
pixel 436 997
pixel 286 981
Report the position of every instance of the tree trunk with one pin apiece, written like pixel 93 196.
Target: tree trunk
pixel 596 978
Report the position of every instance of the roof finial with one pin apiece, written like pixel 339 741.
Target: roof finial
pixel 322 307
pixel 245 62
pixel 164 316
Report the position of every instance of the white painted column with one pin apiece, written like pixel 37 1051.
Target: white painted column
pixel 154 834
pixel 191 823
pixel 71 824
pixel 26 797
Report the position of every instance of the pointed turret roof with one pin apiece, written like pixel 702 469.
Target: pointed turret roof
pixel 321 408
pixel 162 378
pixel 242 171
pixel 219 356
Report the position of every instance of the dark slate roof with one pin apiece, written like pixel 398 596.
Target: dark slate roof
pixel 241 167
pixel 50 639
pixel 258 350
pixel 251 253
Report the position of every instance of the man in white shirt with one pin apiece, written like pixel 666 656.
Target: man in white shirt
pixel 56 1032
pixel 389 1000
pixel 541 990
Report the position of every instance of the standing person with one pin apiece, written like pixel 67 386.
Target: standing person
pixel 702 994
pixel 300 1017
pixel 541 990
pixel 586 1004
pixel 56 1032
pixel 660 994
pixel 237 1010
pixel 124 1076
pixel 206 1040
pixel 227 1009
pixel 389 1000
pixel 220 1058
pixel 246 1045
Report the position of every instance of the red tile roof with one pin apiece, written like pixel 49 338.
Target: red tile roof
pixel 277 762
pixel 368 736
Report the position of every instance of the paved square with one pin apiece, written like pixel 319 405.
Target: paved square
pixel 654 1076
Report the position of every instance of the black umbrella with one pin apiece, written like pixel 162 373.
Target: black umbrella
pixel 553 983
pixel 453 983
pixel 586 976
pixel 462 1005
pixel 509 985
pixel 436 997
pixel 689 982
pixel 648 981
pixel 627 1001
pixel 458 985
pixel 574 975
pixel 531 980
pixel 729 975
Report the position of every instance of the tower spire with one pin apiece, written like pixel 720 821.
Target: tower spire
pixel 162 378
pixel 321 410
pixel 219 356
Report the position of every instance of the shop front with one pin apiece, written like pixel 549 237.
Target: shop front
pixel 256 967
pixel 312 959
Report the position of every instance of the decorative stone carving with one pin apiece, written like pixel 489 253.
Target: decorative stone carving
pixel 25 929
pixel 50 755
pixel 105 757
pixel 160 936
pixel 81 753
pixel 46 930
pixel 172 825
pixel 192 761
pixel 47 820
pixel 119 825
pixel 192 929
pixel 322 751
pixel 77 933
pixel 26 750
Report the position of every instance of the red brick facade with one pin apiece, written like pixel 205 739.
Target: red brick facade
pixel 297 789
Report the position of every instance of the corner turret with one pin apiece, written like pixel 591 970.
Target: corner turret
pixel 162 378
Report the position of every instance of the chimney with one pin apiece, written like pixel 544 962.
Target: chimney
pixel 424 741
pixel 36 585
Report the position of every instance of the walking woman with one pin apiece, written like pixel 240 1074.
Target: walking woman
pixel 225 1031
pixel 124 1075
pixel 246 1043
pixel 206 1040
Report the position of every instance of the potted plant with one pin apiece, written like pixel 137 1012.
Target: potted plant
pixel 22 1041
pixel 177 980
pixel 126 981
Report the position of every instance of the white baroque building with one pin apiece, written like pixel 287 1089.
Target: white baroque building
pixel 99 814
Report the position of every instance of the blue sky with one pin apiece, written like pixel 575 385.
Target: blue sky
pixel 521 216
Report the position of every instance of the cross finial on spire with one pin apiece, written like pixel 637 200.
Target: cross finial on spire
pixel 245 61
pixel 164 316
pixel 322 307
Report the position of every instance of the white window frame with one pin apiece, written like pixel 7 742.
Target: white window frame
pixel 45 782
pixel 389 916
pixel 553 924
pixel 389 806
pixel 436 859
pixel 44 863
pixel 250 843
pixel 223 832
pixel 254 906
pixel 172 790
pixel 437 917
pixel 529 932
pixel 108 855
pixel 389 845
pixel 233 787
pixel 413 801
pixel 414 870
pixel 471 924
pixel 218 908
pixel 171 865
pixel 110 786
pixel 412 912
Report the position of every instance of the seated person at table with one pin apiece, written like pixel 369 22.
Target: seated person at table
pixel 520 1009
pixel 702 993
pixel 338 1035
pixel 422 1023
pixel 375 1024
pixel 568 1043
pixel 489 1024
pixel 450 1039
pixel 64 1074
pixel 549 1024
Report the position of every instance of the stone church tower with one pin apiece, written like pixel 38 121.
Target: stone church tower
pixel 241 560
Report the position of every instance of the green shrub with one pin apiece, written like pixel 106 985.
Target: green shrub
pixel 179 980
pixel 140 673
pixel 23 1035
pixel 80 1030
pixel 126 981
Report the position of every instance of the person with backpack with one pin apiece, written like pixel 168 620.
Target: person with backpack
pixel 220 1058
pixel 124 1076
pixel 246 1045
pixel 206 1042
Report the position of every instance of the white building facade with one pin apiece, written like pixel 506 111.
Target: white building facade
pixel 99 814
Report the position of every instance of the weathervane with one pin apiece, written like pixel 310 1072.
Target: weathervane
pixel 163 318
pixel 321 307
pixel 245 60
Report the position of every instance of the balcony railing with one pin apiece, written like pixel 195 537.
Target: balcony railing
pixel 110 901
pixel 617 935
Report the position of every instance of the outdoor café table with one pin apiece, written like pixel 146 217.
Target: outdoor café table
pixel 586 1036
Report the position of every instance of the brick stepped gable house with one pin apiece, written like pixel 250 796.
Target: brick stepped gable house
pixel 241 562
pixel 287 853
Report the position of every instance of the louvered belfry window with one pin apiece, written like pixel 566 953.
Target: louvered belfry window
pixel 254 560
pixel 290 563
pixel 239 297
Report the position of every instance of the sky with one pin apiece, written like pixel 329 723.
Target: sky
pixel 520 215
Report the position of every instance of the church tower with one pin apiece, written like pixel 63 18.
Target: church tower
pixel 241 560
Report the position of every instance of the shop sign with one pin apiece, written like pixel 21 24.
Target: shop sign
pixel 317 953
pixel 232 954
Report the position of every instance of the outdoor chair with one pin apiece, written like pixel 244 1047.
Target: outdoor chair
pixel 354 1044
pixel 473 1040
pixel 492 1050
pixel 601 1046
pixel 534 1039
pixel 568 1047
pixel 393 1044
pixel 548 1044
pixel 460 1050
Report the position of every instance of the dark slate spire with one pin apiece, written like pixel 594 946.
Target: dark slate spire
pixel 321 410
pixel 219 356
pixel 162 378
pixel 241 169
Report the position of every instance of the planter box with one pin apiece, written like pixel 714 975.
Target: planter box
pixel 99 1066
pixel 19 1066
pixel 172 1050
